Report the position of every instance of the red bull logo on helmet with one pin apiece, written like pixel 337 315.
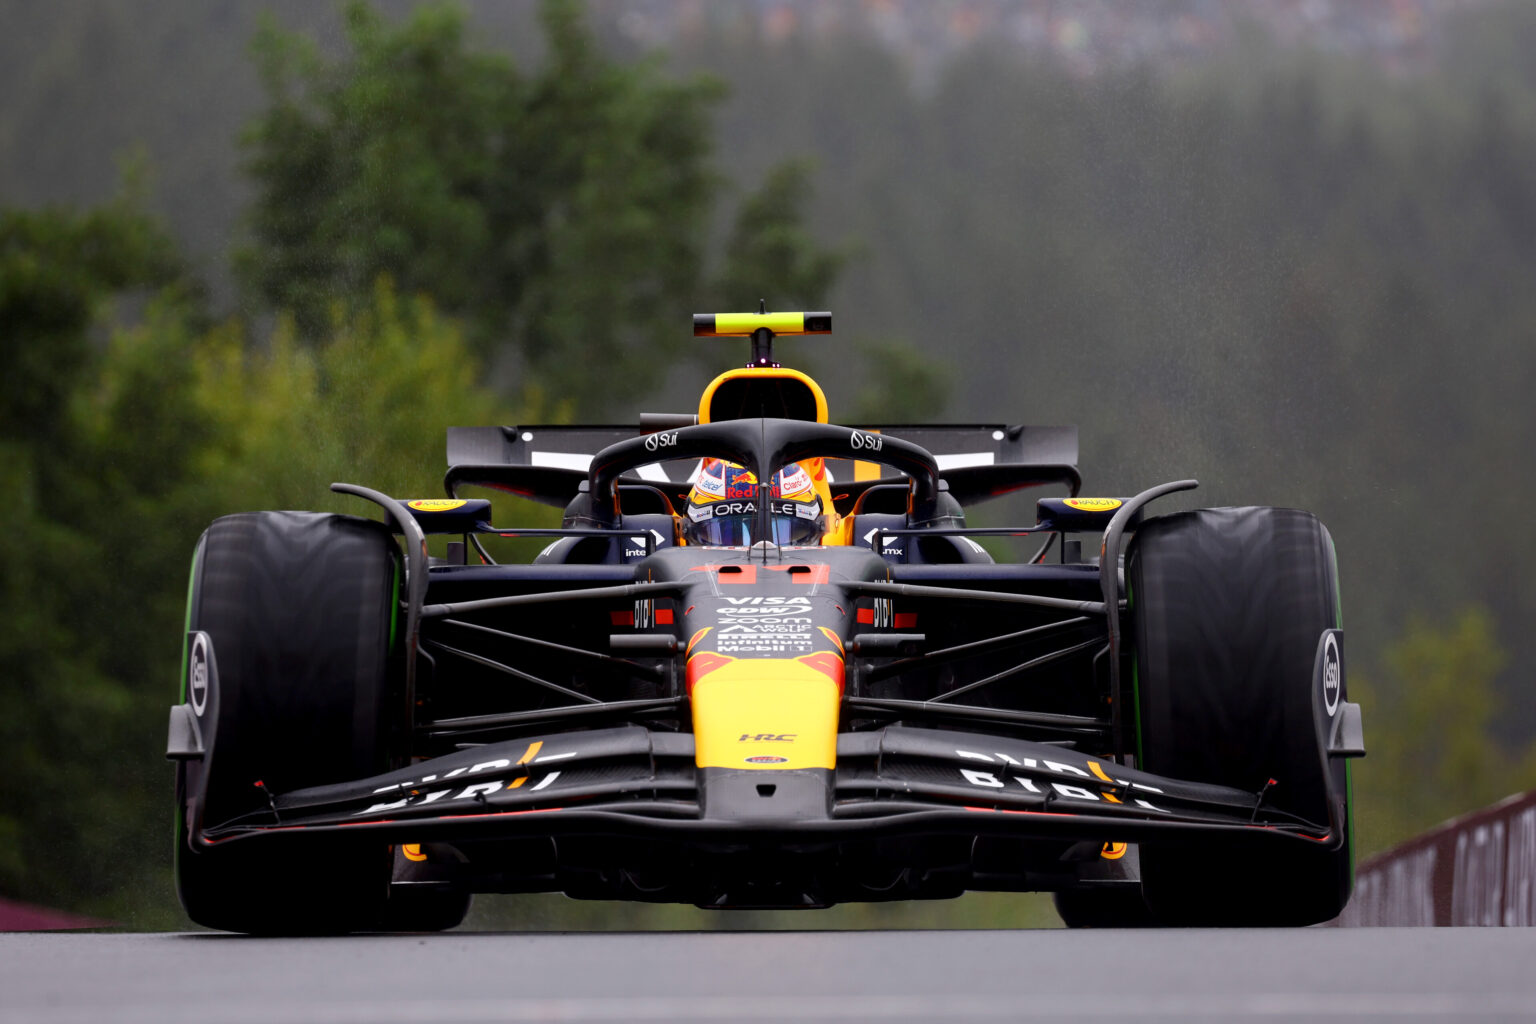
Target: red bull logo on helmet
pixel 721 481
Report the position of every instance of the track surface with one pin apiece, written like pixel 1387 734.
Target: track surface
pixel 793 977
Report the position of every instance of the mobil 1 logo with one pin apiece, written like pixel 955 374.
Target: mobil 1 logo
pixel 765 625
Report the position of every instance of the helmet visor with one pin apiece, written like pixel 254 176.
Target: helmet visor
pixel 736 524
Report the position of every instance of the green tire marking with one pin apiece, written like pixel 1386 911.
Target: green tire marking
pixel 1338 596
pixel 1130 607
pixel 186 626
pixel 394 604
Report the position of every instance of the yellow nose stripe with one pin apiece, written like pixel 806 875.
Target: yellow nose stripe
pixel 765 713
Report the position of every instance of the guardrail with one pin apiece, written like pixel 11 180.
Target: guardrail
pixel 26 917
pixel 1478 869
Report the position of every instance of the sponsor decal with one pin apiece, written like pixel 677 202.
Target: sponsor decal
pixel 766 759
pixel 794 482
pixel 765 600
pixel 765 625
pixel 879 615
pixel 475 790
pixel 660 439
pixel 747 508
pixel 1113 851
pixel 1332 674
pixel 767 737
pixel 862 442
pixel 989 780
pixel 1093 504
pixel 436 504
pixel 641 544
pixel 764 644
pixel 197 674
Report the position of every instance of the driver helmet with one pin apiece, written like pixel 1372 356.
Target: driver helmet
pixel 722 507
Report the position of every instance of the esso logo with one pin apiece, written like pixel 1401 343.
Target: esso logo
pixel 197 674
pixel 659 440
pixel 860 441
pixel 1332 674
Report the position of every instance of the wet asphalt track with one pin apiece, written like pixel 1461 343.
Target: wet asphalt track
pixel 793 977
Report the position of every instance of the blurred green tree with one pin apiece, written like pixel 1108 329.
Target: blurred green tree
pixel 63 276
pixel 561 214
pixel 59 269
pixel 369 403
pixel 1433 752
pixel 137 426
pixel 771 246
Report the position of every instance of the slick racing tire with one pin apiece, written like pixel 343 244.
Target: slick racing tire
pixel 299 608
pixel 1228 606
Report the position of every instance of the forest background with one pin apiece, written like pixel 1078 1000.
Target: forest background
pixel 249 249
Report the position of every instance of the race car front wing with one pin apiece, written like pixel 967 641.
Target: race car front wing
pixel 891 781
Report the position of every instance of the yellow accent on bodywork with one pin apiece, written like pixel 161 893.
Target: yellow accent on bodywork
pixel 738 325
pixel 765 697
pixel 1093 766
pixel 1093 504
pixel 763 373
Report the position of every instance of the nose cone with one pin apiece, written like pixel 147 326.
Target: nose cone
pixel 772 714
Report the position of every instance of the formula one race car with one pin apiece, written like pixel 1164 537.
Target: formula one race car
pixel 764 662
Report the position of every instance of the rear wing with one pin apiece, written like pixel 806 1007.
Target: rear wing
pixel 548 463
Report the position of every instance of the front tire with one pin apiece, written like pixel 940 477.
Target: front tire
pixel 300 609
pixel 1228 608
